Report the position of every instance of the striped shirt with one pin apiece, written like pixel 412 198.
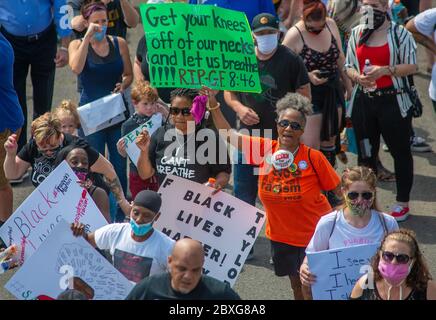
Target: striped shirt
pixel 407 55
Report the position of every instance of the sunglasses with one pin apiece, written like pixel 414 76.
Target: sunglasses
pixel 365 195
pixel 53 149
pixel 175 111
pixel 286 123
pixel 401 258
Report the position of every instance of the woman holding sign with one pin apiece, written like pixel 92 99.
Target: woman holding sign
pixel 103 65
pixel 291 180
pixel 41 151
pixel 184 148
pixel 399 272
pixel 358 222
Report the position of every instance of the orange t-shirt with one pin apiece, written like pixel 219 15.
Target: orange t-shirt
pixel 293 200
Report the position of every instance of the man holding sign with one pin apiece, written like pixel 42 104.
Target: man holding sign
pixel 190 46
pixel 137 249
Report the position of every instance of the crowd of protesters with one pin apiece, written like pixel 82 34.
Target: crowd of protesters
pixel 327 78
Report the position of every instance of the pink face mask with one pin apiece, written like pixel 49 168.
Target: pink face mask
pixel 394 274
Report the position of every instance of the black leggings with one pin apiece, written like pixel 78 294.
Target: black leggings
pixel 381 115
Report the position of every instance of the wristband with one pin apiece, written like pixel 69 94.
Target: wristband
pixel 63 49
pixel 213 108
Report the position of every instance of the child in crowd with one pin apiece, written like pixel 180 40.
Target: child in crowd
pixel 67 113
pixel 145 101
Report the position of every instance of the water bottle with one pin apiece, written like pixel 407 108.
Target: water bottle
pixel 366 69
pixel 8 252
pixel 399 12
pixel 6 265
pixel 210 182
pixel 9 258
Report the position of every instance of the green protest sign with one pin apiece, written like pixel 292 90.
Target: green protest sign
pixel 193 45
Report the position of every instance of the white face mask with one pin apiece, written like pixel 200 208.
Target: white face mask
pixel 267 43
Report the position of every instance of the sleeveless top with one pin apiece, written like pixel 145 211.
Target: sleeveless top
pixel 100 74
pixel 316 60
pixel 373 294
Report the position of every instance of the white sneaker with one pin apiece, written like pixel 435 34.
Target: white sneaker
pixel 418 144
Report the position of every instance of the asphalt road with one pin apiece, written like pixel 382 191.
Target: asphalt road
pixel 257 281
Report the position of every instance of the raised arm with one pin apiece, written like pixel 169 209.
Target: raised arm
pixel 13 166
pixel 421 38
pixel 103 166
pixel 131 16
pixel 145 167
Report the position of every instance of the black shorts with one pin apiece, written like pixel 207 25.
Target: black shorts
pixel 287 259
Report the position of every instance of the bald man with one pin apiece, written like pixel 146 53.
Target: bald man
pixel 185 280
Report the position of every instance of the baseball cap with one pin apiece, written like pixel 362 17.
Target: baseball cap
pixel 264 21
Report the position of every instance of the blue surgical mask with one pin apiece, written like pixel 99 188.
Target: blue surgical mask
pixel 99 36
pixel 140 230
pixel 267 43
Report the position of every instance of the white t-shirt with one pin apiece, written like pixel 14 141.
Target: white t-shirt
pixel 425 23
pixel 135 260
pixel 345 235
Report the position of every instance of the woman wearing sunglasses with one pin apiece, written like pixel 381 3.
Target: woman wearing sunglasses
pixel 399 272
pixel 291 180
pixel 184 148
pixel 358 222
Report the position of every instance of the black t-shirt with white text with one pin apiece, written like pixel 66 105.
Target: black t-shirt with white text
pixel 42 166
pixel 196 157
pixel 158 287
pixel 284 72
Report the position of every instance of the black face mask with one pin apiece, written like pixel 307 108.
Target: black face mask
pixel 81 173
pixel 315 32
pixel 379 18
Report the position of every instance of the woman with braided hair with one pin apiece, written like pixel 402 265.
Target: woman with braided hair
pixel 359 221
pixel 399 272
pixel 184 147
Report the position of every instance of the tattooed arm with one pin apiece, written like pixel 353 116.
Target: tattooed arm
pixel 103 166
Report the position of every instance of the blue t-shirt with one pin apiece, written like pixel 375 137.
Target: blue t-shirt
pixel 251 8
pixel 11 115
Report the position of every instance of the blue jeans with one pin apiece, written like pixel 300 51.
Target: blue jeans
pixel 110 137
pixel 245 181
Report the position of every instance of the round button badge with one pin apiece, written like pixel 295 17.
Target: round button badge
pixel 282 159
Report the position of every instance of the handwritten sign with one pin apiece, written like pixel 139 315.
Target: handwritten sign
pixel 225 225
pixel 151 125
pixel 64 261
pixel 58 196
pixel 338 270
pixel 193 45
pixel 102 113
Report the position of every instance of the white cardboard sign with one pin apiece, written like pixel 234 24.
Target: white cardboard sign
pixel 226 226
pixel 338 270
pixel 102 113
pixel 151 125
pixel 58 197
pixel 64 261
